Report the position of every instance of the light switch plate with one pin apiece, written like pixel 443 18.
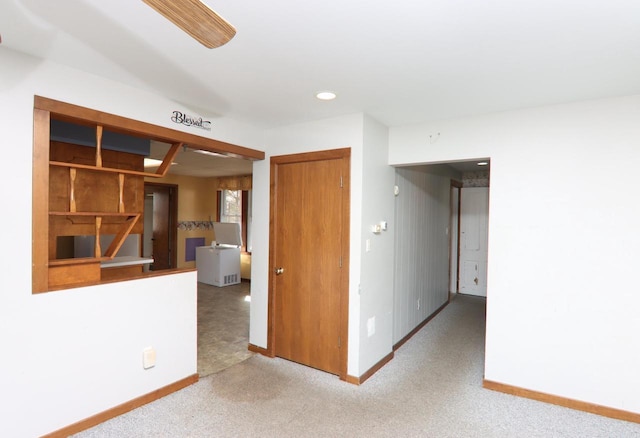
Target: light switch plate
pixel 371 326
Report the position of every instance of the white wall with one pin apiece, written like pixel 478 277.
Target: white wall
pixel 67 355
pixel 334 133
pixel 421 262
pixel 371 274
pixel 562 309
pixel 376 275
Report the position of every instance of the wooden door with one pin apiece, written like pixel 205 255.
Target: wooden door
pixel 309 258
pixel 474 216
pixel 164 225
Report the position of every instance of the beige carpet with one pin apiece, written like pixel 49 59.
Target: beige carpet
pixel 432 388
pixel 223 327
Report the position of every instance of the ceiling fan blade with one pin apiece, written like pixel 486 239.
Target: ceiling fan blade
pixel 196 19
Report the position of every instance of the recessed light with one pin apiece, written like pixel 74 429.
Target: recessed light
pixel 212 154
pixel 151 162
pixel 326 95
pixel 483 163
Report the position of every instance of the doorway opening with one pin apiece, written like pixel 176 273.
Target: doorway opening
pixel 430 240
pixel 473 228
pixel 197 180
pixel 160 239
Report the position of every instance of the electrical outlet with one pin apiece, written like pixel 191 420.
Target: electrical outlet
pixel 148 358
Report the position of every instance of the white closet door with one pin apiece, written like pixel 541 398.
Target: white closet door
pixel 474 221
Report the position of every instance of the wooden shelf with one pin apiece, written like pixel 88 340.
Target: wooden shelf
pixel 91 213
pixel 77 261
pixel 162 169
pixel 84 185
pixel 104 169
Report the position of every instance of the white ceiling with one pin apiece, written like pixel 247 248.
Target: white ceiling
pixel 190 163
pixel 401 62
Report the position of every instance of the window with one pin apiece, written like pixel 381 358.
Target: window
pixel 235 206
pixel 231 206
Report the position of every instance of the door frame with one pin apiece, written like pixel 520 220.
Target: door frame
pixel 173 217
pixel 333 154
pixel 485 235
pixel 454 252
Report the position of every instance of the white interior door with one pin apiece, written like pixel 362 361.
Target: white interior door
pixel 474 220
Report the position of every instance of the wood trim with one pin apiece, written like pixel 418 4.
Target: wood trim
pixel 137 277
pixel 77 261
pixel 218 203
pixel 118 240
pixel 271 301
pixel 259 350
pixel 370 372
pixel 120 272
pixel 459 228
pixel 173 226
pixel 332 154
pixel 245 219
pixel 77 114
pixel 454 185
pixel 346 245
pixel 98 146
pixel 91 213
pixel 94 420
pixel 352 379
pixel 422 324
pixel 40 202
pixel 69 275
pixel 578 405
pixel 105 169
pixel 163 169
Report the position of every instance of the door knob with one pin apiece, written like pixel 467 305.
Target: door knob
pixel 279 271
